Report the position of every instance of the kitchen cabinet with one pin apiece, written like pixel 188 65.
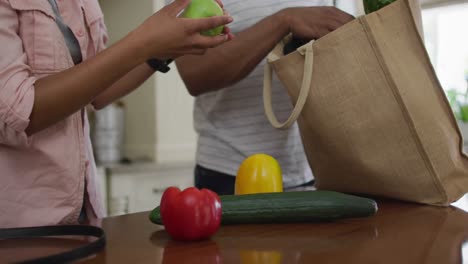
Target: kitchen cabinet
pixel 139 187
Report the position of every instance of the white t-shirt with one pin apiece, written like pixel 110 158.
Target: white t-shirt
pixel 231 122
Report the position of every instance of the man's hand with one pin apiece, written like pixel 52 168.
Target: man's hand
pixel 313 22
pixel 236 59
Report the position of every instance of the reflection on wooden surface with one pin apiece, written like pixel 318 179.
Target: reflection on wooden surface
pixel 399 233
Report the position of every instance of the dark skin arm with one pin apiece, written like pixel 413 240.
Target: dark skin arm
pixel 62 94
pixel 223 66
pixel 132 80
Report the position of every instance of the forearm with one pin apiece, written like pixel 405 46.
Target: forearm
pixel 226 65
pixel 60 95
pixel 124 86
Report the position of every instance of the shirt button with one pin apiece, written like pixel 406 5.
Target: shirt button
pixel 80 33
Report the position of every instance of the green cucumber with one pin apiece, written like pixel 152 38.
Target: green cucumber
pixel 289 207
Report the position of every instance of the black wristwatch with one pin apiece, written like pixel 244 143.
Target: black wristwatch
pixel 159 65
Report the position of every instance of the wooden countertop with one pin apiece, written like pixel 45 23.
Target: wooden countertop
pixel 399 233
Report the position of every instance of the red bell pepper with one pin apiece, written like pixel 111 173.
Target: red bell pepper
pixel 192 214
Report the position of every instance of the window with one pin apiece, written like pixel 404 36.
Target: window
pixel 445 28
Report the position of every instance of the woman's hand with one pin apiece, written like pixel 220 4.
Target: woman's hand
pixel 164 35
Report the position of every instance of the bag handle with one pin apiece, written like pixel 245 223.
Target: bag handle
pixel 303 94
pixel 47 231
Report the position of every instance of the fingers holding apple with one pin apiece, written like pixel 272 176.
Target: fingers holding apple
pixel 165 35
pixel 204 9
pixel 227 30
pixel 210 26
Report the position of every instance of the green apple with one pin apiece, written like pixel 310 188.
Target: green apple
pixel 202 9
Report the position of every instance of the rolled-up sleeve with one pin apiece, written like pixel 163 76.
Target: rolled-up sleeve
pixel 16 81
pixel 105 36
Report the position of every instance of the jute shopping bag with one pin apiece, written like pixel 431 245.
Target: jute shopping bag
pixel 372 114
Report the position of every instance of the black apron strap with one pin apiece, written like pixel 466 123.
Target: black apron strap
pixel 70 39
pixel 71 230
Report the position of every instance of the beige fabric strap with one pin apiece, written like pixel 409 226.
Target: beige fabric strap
pixel 303 94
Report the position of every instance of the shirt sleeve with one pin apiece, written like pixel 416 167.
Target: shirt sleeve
pixel 95 20
pixel 16 81
pixel 104 35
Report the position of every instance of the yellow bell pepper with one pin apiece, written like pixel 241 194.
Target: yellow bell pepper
pixel 259 173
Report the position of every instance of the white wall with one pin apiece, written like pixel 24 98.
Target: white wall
pixel 175 136
pixel 122 16
pixel 159 122
pixel 437 3
pixel 353 7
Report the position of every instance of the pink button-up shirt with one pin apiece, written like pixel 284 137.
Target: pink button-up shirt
pixel 44 177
